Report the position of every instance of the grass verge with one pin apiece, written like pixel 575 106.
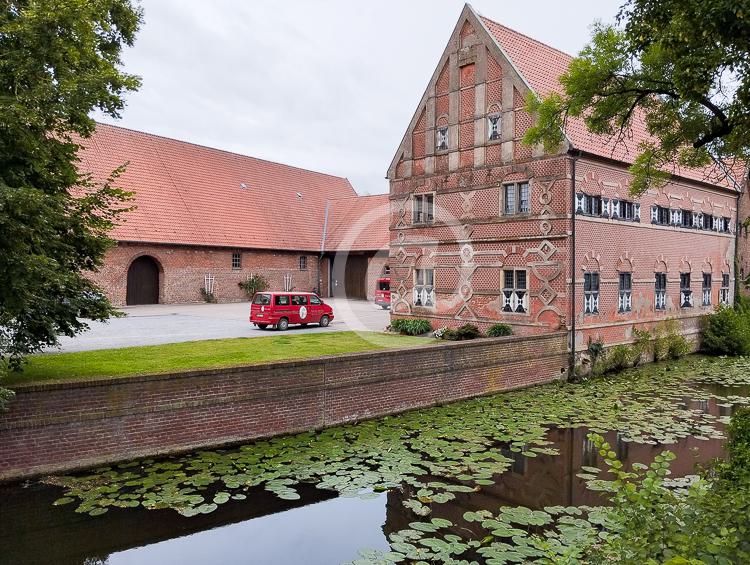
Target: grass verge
pixel 194 355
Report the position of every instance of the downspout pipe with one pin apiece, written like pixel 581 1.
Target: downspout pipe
pixel 575 154
pixel 323 245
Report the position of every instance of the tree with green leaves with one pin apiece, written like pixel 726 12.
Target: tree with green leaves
pixel 59 61
pixel 683 66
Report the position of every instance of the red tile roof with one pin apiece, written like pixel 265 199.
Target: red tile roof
pixel 359 223
pixel 541 66
pixel 190 194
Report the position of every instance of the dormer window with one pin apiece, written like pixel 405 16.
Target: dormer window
pixel 441 138
pixel 493 127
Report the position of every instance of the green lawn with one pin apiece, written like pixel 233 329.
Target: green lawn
pixel 206 354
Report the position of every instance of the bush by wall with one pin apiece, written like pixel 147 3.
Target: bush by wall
pixel 253 283
pixel 499 330
pixel 412 326
pixel 727 331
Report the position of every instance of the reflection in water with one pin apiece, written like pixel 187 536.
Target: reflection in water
pixel 318 528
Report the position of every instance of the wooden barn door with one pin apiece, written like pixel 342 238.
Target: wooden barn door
pixel 143 282
pixel 356 277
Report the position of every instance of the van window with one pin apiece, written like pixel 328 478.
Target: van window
pixel 262 299
pixel 384 285
pixel 315 300
pixel 282 300
pixel 299 300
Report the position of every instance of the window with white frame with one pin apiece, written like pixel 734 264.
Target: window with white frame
pixel 686 292
pixel 236 260
pixel 441 138
pixel 493 126
pixel 660 215
pixel 626 210
pixel 516 198
pixel 625 302
pixel 592 205
pixel 709 222
pixel 660 291
pixel 725 225
pixel 686 217
pixel 302 263
pixel 706 289
pixel 424 288
pixel 424 208
pixel 515 291
pixel 724 289
pixel 591 293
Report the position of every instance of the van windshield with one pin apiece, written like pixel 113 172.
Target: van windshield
pixel 262 299
pixel 384 285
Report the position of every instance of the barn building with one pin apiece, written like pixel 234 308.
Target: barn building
pixel 485 229
pixel 206 220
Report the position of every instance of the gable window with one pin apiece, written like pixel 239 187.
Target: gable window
pixel 236 260
pixel 625 303
pixel 724 289
pixel 517 197
pixel 706 289
pixel 515 293
pixel 493 127
pixel 302 263
pixel 591 293
pixel 441 138
pixel 424 287
pixel 660 291
pixel 686 293
pixel 424 208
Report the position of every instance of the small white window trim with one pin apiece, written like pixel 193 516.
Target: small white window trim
pixel 423 208
pixel 424 290
pixel 516 297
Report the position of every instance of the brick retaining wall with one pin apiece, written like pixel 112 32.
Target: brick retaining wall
pixel 56 427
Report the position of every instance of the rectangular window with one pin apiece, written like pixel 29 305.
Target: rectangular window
pixel 706 289
pixel 708 222
pixel 686 293
pixel 424 288
pixel 724 225
pixel 591 293
pixel 660 291
pixel 592 205
pixel 302 263
pixel 724 290
pixel 625 302
pixel 315 299
pixel 627 210
pixel 493 127
pixel 299 300
pixel 687 219
pixel 662 215
pixel 441 138
pixel 424 208
pixel 236 260
pixel 517 198
pixel 282 300
pixel 515 292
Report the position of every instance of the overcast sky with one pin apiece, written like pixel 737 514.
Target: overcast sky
pixel 328 85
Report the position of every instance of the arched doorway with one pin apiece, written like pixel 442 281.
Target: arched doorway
pixel 143 282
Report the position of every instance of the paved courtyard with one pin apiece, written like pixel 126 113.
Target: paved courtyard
pixel 169 323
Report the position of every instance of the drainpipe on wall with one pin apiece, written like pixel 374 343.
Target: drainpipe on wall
pixel 323 247
pixel 574 158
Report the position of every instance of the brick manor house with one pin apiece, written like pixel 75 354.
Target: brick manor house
pixel 487 229
pixel 208 219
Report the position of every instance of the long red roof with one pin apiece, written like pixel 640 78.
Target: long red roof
pixel 194 195
pixel 541 66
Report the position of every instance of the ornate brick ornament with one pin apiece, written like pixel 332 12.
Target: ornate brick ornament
pixel 467 204
pixel 545 200
pixel 401 213
pixel 546 270
pixel 625 263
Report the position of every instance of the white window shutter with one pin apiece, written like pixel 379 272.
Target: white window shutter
pixel 701 221
pixel 637 212
pixel 696 220
pixel 579 203
pixel 615 208
pixel 605 207
pixel 715 223
pixel 654 214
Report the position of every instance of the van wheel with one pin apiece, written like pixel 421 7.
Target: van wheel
pixel 282 325
pixel 324 321
pixel 263 326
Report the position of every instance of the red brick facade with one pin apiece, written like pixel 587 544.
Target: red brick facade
pixel 59 427
pixel 499 206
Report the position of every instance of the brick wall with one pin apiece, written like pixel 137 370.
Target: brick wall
pixel 58 427
pixel 183 270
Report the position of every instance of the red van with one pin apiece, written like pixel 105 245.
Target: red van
pixel 383 292
pixel 279 309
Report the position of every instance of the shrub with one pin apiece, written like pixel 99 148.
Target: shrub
pixel 412 326
pixel 641 345
pixel 618 358
pixel 254 283
pixel 499 330
pixel 727 331
pixel 468 331
pixel 208 296
pixel 669 343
